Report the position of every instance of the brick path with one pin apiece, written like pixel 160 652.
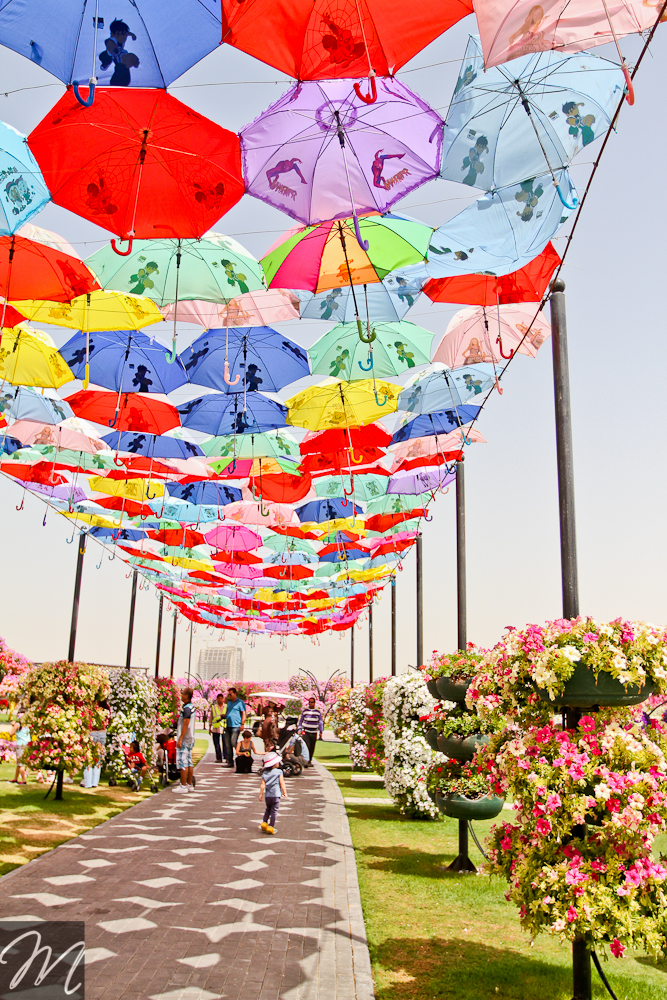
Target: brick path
pixel 185 899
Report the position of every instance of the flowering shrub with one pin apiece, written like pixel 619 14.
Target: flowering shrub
pixel 168 702
pixel 405 704
pixel 340 719
pixel 597 881
pixel 7 748
pixel 134 704
pixel 451 777
pixel 546 656
pixel 367 726
pixel 459 666
pixel 12 662
pixel 459 722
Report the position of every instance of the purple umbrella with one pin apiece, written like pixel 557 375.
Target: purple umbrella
pixel 72 494
pixel 420 480
pixel 320 152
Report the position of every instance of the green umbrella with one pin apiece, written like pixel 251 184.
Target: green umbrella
pixel 367 486
pixel 76 459
pixel 394 504
pixel 285 543
pixel 395 348
pixel 272 444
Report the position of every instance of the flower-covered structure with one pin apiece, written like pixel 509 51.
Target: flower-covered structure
pixel 405 704
pixel 168 702
pixel 134 705
pixel 367 751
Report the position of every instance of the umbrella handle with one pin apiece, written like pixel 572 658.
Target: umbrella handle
pixel 570 208
pixel 350 493
pixel 232 468
pixel 367 98
pixel 364 244
pixel 427 518
pixel 116 462
pixel 91 92
pixel 357 461
pixel 227 378
pixel 463 435
pixel 112 423
pixel 377 398
pixel 86 379
pixel 366 368
pixel 366 340
pixel 123 253
pixel 170 358
pixel 499 341
pixel 500 391
pixel 154 497
pixel 264 513
pixel 630 93
pixel 99 565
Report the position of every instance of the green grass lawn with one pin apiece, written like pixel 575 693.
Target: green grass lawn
pixel 440 936
pixel 31 825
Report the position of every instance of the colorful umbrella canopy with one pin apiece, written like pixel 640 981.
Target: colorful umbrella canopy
pixel 365 487
pixel 137 162
pixel 24 191
pixel 321 152
pixel 124 360
pixel 477 334
pixel 220 414
pixel 30 269
pixel 348 40
pixel 387 301
pixel 248 512
pixel 244 359
pixel 326 510
pixel 153 445
pixel 439 390
pixel 525 285
pixel 418 481
pixel 436 423
pixel 538 113
pixel 395 348
pixel 328 255
pixel 272 444
pixel 99 310
pixel 23 403
pixel 29 357
pixel 126 411
pixel 64 45
pixel 263 307
pixel 234 538
pixel 518 28
pixel 342 404
pixel 371 436
pixel 214 494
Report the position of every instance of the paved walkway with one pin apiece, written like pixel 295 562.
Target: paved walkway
pixel 185 899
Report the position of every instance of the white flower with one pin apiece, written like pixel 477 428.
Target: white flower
pixel 571 653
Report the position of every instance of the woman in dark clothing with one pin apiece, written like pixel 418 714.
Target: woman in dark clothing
pixel 244 753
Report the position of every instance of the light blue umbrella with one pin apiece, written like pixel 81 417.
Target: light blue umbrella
pixel 386 301
pixel 503 230
pixel 23 190
pixel 24 403
pixel 510 122
pixel 440 390
pixel 367 486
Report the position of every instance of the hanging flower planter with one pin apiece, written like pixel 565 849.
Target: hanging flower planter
pixel 449 690
pixel 584 690
pixel 460 807
pixel 433 688
pixel 461 748
pixel 432 738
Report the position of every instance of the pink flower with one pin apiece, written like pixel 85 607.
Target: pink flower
pixel 554 802
pixel 571 915
pixel 617 948
pixel 587 723
pixel 613 805
pixel 543 827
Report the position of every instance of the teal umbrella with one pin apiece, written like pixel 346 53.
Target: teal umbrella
pixel 367 486
pixel 270 444
pixel 285 543
pixel 393 348
pixel 394 504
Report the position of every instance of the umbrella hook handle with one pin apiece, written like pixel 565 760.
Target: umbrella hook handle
pixel 117 463
pixel 227 378
pixel 357 461
pixel 350 493
pixel 377 398
pixel 366 340
pixel 70 540
pixel 144 517
pixel 92 83
pixel 112 423
pixel 466 440
pixel 232 467
pixel 264 513
pixel 499 341
pixel 99 565
pixel 427 518
pixel 630 92
pixel 123 253
pixel 367 98
pixel 575 201
pixel 498 387
pixel 366 368
pixel 20 507
pixel 170 358
pixel 364 244
pixel 154 497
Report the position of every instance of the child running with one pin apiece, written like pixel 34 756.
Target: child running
pixel 273 786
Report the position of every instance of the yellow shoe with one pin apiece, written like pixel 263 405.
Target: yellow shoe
pixel 270 829
pixel 263 827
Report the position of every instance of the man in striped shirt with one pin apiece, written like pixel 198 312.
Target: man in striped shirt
pixel 311 727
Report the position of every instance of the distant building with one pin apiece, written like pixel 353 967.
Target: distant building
pixel 215 660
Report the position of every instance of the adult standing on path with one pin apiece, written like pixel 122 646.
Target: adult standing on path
pixel 185 742
pixel 235 717
pixel 269 730
pixel 215 727
pixel 311 727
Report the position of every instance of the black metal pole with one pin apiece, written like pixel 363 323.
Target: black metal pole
pixel 159 637
pixel 173 645
pixel 393 625
pixel 75 603
pixel 564 453
pixel 420 604
pixel 130 631
pixel 462 862
pixel 352 656
pixel 370 643
pixel 461 603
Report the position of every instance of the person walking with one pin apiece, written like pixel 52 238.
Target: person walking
pixel 22 734
pixel 311 727
pixel 235 714
pixel 185 742
pixel 269 730
pixel 215 726
pixel 273 787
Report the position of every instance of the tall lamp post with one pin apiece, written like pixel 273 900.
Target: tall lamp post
pixel 77 595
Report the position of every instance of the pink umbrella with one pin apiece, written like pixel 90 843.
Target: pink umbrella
pixel 236 571
pixel 233 538
pixel 418 481
pixel 261 308
pixel 427 447
pixel 33 432
pixel 477 334
pixel 247 512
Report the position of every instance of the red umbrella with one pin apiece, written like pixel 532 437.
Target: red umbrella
pixel 526 285
pixel 281 487
pixel 125 411
pixel 320 41
pixel 138 163
pixel 32 270
pixel 295 531
pixel 370 436
pixel 290 573
pixel 236 557
pixel 40 472
pixel 382 522
pixel 329 463
pixel 131 507
pixel 185 537
pixel 12 317
pixel 139 467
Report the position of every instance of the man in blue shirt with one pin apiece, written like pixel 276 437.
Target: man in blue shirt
pixel 235 714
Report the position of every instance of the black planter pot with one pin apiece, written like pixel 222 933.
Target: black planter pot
pixel 459 807
pixel 584 690
pixel 450 690
pixel 461 747
pixel 433 689
pixel 432 738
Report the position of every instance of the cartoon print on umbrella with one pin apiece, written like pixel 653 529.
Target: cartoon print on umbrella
pixel 114 52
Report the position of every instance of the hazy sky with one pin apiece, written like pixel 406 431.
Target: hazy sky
pixel 614 277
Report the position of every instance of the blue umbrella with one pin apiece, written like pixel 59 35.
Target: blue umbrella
pixel 245 359
pixel 326 510
pixel 24 403
pixel 23 189
pixel 146 43
pixel 219 414
pixel 124 360
pixel 503 230
pixel 510 122
pixel 152 445
pixel 187 513
pixel 118 534
pixel 429 424
pixel 435 391
pixel 285 558
pixel 215 494
pixel 387 301
pixel 9 444
pixel 345 555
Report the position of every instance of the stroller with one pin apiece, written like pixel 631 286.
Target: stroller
pixel 291 765
pixel 166 759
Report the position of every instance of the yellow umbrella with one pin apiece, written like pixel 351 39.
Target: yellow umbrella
pixel 342 404
pixel 100 310
pixel 29 357
pixel 193 564
pixel 133 489
pixel 95 520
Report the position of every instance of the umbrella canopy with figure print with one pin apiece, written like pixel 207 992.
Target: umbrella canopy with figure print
pixel 23 192
pixel 440 390
pixel 428 424
pixel 537 113
pixel 24 403
pixel 125 411
pixel 386 302
pixel 477 335
pixel 486 289
pixel 271 444
pixel 321 152
pixel 221 414
pixel 30 268
pixel 394 348
pixel 29 357
pixel 152 445
pixel 342 404
pixel 263 307
pixel 124 360
pixel 98 310
pixel 138 163
pixel 245 359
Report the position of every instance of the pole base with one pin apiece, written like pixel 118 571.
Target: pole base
pixel 59 786
pixel 462 864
